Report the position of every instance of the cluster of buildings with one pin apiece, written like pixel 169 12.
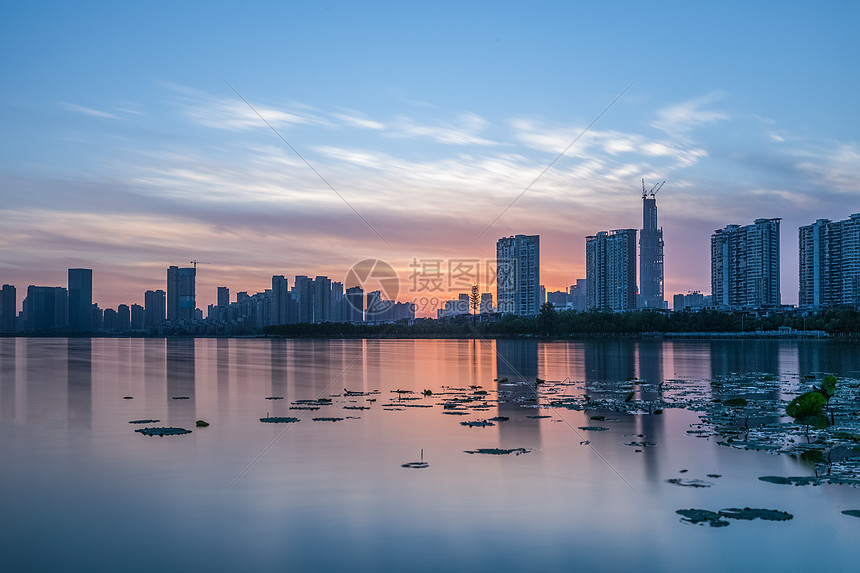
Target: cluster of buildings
pixel 745 269
pixel 71 309
pixel 745 274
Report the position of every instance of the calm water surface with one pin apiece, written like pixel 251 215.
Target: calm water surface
pixel 82 491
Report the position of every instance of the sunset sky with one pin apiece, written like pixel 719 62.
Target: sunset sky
pixel 124 150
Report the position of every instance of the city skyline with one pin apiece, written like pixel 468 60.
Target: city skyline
pixel 429 126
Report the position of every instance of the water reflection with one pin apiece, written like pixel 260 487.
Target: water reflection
pixel 8 378
pixel 517 360
pixel 180 380
pixel 79 367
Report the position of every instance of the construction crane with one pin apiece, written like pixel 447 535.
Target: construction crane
pixel 195 262
pixel 654 189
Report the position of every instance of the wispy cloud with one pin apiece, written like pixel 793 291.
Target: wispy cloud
pixel 355 119
pixel 90 111
pixel 465 132
pixel 681 118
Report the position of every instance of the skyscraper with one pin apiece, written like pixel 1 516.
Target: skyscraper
pixel 745 265
pixel 355 304
pixel 223 297
pixel 279 307
pixel 153 308
pixel 303 293
pixel 80 300
pixel 610 270
pixel 181 293
pixel 518 274
pixel 8 306
pixel 46 309
pixel 650 253
pixel 322 299
pixel 829 270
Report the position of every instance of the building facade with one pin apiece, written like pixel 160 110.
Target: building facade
pixel 181 293
pixel 650 256
pixel 518 275
pixel 829 270
pixel 610 270
pixel 80 300
pixel 745 265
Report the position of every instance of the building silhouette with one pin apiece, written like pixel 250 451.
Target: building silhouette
pixel 45 309
pixel 745 265
pixel 181 294
pixel 153 308
pixel 355 304
pixel 223 296
pixel 518 274
pixel 610 270
pixel 8 309
pixel 80 300
pixel 829 271
pixel 650 255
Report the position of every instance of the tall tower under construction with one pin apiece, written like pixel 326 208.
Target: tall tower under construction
pixel 650 252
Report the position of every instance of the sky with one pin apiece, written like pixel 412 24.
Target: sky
pixel 413 132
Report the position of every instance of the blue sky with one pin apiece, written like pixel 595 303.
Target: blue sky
pixel 124 150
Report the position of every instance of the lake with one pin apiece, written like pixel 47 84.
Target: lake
pixel 82 490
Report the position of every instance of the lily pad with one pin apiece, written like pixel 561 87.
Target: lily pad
pixel 477 424
pixel 852 512
pixel 279 420
pixel 697 516
pixel 498 451
pixel 144 421
pixel 689 482
pixel 749 514
pixel 163 431
pixel 327 419
pixel 594 428
pixel 416 465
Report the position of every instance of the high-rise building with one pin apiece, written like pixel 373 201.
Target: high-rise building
pixel 123 318
pixel 181 293
pixel 578 295
pixel 303 293
pixel 46 309
pixel 322 299
pixel 650 254
pixel 8 308
pixel 279 308
pixel 745 265
pixel 355 304
pixel 153 308
pixel 80 300
pixel 223 297
pixel 486 303
pixel 829 270
pixel 137 314
pixel 518 274
pixel 610 270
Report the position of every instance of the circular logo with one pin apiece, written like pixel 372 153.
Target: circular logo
pixel 375 281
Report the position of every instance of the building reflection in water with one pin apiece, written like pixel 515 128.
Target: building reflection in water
pixel 8 377
pixel 517 360
pixel 222 373
pixel 180 380
pixel 79 368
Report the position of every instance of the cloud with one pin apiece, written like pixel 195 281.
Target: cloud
pixel 90 111
pixel 465 132
pixel 681 118
pixel 838 169
pixel 354 120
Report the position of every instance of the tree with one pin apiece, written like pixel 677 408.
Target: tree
pixel 807 409
pixel 548 319
pixel 475 299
